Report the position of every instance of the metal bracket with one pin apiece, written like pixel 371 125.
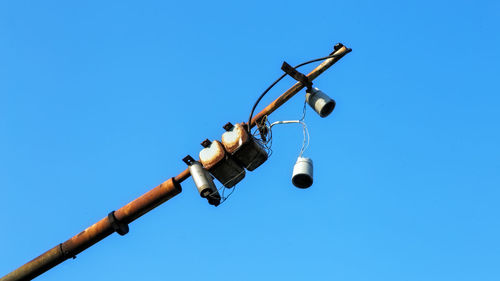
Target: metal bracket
pixel 118 226
pixel 337 47
pixel 263 133
pixel 290 70
pixel 228 126
pixel 188 160
pixel 206 143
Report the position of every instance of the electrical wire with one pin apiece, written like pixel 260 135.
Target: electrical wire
pixel 267 144
pixel 224 188
pixel 304 111
pixel 224 198
pixel 260 97
pixel 306 140
pixel 276 82
pixel 265 123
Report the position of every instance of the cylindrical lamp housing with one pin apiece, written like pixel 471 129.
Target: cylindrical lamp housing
pixel 320 102
pixel 302 176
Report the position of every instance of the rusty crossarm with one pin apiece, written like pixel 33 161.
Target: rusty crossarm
pixel 144 203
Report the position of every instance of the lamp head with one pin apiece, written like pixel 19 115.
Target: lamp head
pixel 302 176
pixel 320 102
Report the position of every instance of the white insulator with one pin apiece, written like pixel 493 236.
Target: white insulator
pixel 320 102
pixel 302 176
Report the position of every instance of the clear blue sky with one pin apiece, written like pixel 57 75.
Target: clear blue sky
pixel 100 100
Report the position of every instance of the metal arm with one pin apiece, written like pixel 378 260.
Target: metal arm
pixel 144 203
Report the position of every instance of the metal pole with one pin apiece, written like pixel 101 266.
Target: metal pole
pixel 95 232
pixel 341 52
pixel 144 203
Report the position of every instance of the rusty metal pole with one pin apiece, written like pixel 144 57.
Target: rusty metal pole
pixel 340 53
pixel 95 232
pixel 292 91
pixel 144 203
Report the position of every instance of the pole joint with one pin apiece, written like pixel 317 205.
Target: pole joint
pixel 118 226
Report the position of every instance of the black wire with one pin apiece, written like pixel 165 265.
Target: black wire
pixel 276 82
pixel 258 100
pixel 315 60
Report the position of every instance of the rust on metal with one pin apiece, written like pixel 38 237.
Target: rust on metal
pixel 148 201
pixel 299 86
pixel 37 266
pixel 87 238
pixel 182 176
pixel 95 232
pixel 144 203
pixel 341 52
